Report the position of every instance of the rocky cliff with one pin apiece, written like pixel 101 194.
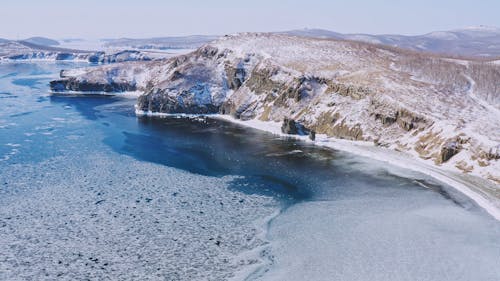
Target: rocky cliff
pixel 111 78
pixel 428 106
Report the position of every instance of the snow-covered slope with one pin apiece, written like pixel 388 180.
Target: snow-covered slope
pixel 119 77
pixel 42 41
pixel 441 110
pixel 481 41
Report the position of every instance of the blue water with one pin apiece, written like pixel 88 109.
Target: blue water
pixel 96 161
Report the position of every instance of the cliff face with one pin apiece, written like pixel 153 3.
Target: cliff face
pixel 73 84
pixel 426 106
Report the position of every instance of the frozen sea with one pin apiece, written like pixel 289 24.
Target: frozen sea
pixel 88 191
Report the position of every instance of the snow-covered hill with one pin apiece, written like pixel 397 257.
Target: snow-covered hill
pixel 42 41
pixel 480 41
pixel 443 111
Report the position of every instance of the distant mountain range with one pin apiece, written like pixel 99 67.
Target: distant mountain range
pixel 43 41
pixel 480 41
pixel 40 41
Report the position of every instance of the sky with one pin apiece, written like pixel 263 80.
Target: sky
pixel 149 18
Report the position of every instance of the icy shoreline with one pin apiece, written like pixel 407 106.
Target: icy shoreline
pixel 399 159
pixel 473 190
pixel 127 94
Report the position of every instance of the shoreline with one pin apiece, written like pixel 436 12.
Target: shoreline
pixel 126 94
pixel 473 190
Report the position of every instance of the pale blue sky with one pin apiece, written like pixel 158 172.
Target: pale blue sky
pixel 147 18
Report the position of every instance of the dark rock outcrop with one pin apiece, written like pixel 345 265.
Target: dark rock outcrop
pixel 22 56
pixel 312 135
pixel 185 102
pixel 385 119
pixel 405 119
pixel 235 77
pixel 292 127
pixel 333 124
pixel 344 131
pixel 352 91
pixel 289 127
pixel 448 150
pixel 493 154
pixel 65 56
pixel 72 84
pixel 96 58
pixel 260 82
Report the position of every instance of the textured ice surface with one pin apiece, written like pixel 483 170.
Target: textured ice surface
pixel 385 229
pixel 102 216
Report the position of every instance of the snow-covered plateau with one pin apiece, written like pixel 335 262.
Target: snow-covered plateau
pixel 441 113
